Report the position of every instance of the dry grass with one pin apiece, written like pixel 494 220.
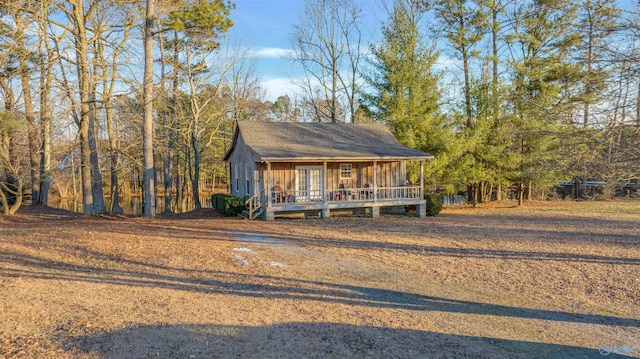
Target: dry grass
pixel 545 281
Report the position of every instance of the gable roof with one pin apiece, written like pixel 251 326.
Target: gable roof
pixel 295 141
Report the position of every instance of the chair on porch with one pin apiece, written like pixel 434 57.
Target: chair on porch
pixel 278 195
pixel 342 192
pixel 368 192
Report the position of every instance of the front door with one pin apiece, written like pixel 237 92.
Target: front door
pixel 308 183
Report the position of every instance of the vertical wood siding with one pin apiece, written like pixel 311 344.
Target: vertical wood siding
pixel 240 157
pixel 390 174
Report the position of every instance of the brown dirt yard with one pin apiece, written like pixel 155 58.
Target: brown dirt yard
pixel 549 280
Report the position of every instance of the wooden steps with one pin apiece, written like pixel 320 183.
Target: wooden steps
pixel 245 214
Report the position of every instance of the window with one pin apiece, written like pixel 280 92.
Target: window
pixel 345 171
pixel 246 176
pixel 235 171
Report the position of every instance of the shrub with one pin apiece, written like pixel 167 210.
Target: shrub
pixel 227 205
pixel 434 203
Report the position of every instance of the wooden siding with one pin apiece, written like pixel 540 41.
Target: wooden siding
pixel 389 174
pixel 284 174
pixel 239 158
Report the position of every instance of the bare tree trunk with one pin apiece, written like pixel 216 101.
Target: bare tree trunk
pixel 179 193
pixel 11 188
pixel 520 193
pixel 195 179
pixel 9 208
pixel 96 175
pixel 168 170
pixel 168 129
pixel 588 85
pixel 46 77
pixel 638 107
pixel 113 169
pixel 149 192
pixel 186 173
pixel 34 143
pixel 82 64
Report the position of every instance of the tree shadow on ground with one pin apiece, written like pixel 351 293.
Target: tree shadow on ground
pixel 426 250
pixel 115 271
pixel 309 340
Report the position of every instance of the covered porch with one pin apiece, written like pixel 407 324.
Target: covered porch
pixel 332 185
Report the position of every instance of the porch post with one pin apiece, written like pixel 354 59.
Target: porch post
pixel 421 209
pixel 374 212
pixel 421 179
pixel 268 212
pixel 324 182
pixel 325 209
pixel 375 184
pixel 268 184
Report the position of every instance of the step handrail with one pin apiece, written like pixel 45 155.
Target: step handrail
pixel 254 203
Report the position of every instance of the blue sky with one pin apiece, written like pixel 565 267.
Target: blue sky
pixel 265 26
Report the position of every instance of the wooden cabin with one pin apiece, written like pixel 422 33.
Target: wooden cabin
pixel 284 167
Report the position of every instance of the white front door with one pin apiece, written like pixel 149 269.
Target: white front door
pixel 308 183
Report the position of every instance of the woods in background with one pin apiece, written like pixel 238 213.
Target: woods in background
pixel 511 97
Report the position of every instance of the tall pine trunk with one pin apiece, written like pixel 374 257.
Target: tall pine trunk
pixel 149 191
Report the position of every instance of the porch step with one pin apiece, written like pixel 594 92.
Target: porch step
pixel 256 214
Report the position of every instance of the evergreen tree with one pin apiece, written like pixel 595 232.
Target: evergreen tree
pixel 405 91
pixel 542 78
pixel 404 86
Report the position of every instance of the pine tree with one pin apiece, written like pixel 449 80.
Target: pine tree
pixel 541 90
pixel 405 92
pixel 404 86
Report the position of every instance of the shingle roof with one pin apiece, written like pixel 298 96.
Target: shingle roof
pixel 294 141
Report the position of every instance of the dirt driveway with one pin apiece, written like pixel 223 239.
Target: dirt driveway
pixel 554 280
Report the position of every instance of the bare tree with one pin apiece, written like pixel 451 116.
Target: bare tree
pixel 11 178
pixel 23 55
pixel 209 101
pixel 46 79
pixel 327 45
pixel 109 47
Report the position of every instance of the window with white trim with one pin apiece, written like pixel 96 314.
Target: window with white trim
pixel 235 171
pixel 345 171
pixel 246 176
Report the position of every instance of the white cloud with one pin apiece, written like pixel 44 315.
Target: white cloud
pixel 272 52
pixel 279 86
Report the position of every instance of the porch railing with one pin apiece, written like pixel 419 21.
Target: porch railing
pixel 403 192
pixel 346 194
pixel 283 197
pixel 254 203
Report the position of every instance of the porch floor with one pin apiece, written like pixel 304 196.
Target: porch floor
pixel 326 207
